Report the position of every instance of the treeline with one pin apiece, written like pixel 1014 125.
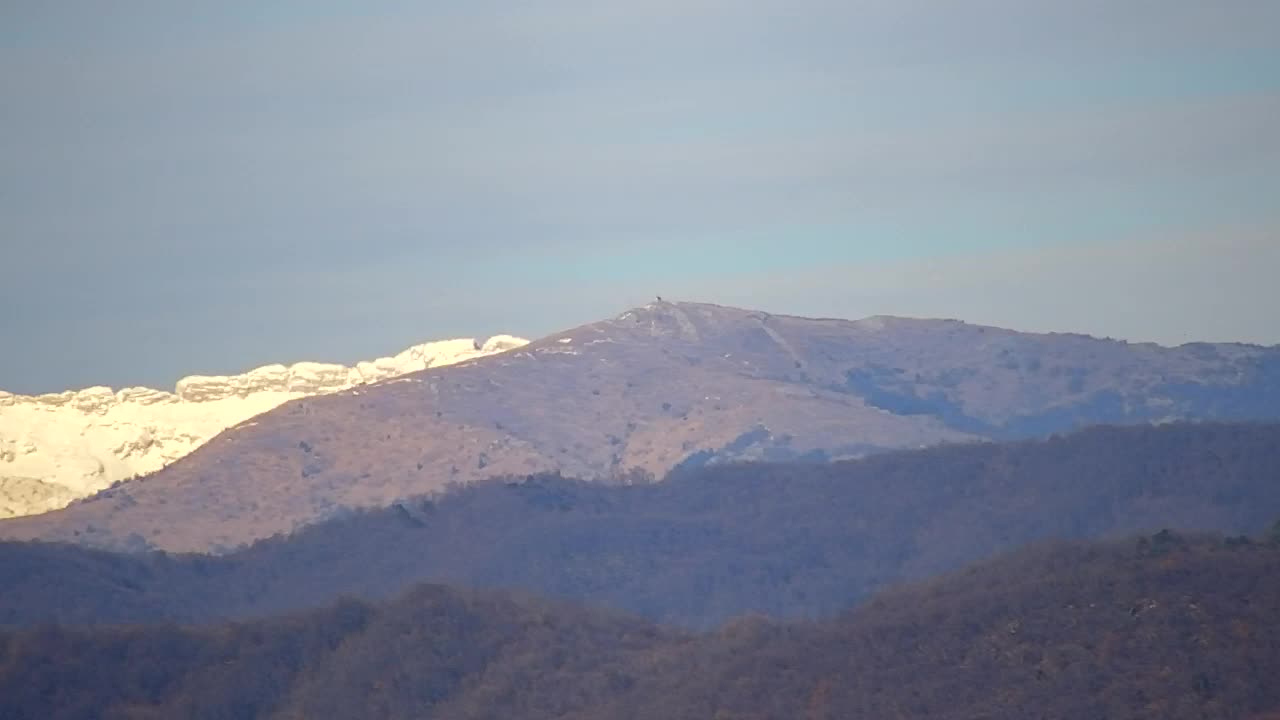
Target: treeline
pixel 1164 627
pixel 788 541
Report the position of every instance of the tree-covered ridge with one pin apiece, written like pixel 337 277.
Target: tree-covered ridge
pixel 1164 626
pixel 786 540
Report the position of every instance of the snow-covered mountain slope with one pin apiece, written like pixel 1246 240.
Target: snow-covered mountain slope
pixel 58 447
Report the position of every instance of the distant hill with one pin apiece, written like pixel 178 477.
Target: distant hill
pixel 1165 627
pixel 795 540
pixel 664 386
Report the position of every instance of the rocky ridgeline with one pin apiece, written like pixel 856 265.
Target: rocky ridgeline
pixel 57 447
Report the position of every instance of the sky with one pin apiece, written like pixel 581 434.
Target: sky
pixel 207 187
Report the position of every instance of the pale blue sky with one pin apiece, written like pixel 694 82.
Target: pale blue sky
pixel 205 187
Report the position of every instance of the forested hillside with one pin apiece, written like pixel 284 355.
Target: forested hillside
pixel 1161 627
pixel 786 540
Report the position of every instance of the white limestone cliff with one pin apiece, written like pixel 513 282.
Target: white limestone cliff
pixel 58 447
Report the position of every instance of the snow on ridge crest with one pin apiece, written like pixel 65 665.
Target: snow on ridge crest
pixel 57 447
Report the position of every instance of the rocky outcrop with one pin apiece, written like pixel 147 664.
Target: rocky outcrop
pixel 313 378
pixel 57 447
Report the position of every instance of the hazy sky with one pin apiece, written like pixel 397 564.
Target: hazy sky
pixel 208 186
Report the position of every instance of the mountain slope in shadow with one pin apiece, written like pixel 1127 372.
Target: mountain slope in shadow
pixel 788 540
pixel 1163 627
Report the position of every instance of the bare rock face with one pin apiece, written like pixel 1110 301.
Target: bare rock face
pixel 58 447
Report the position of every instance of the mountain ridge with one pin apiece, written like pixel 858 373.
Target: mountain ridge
pixel 58 447
pixel 659 387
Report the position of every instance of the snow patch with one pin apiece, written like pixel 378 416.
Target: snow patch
pixel 58 447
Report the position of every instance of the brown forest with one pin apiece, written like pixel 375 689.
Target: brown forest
pixel 1163 626
pixel 791 541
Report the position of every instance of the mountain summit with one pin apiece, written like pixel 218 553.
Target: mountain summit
pixel 657 388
